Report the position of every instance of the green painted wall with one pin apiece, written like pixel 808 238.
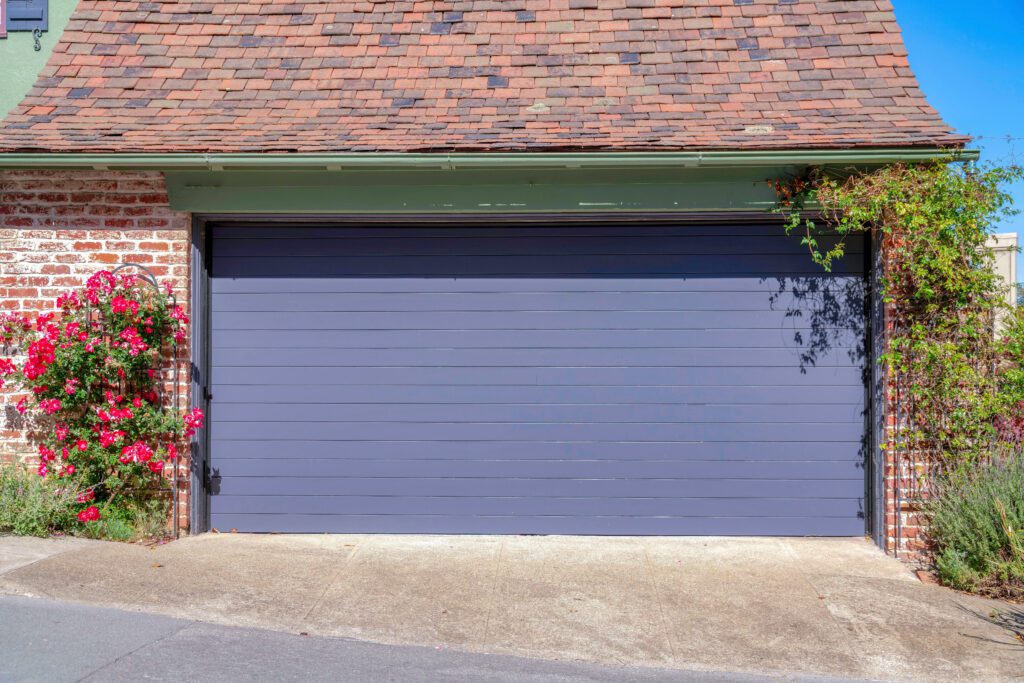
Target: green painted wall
pixel 20 64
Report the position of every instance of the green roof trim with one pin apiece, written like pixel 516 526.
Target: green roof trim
pixel 482 160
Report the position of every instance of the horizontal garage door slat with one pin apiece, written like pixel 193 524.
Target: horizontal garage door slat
pixel 536 524
pixel 810 285
pixel 631 507
pixel 529 358
pixel 539 431
pixel 547 469
pixel 642 376
pixel 470 487
pixel 544 379
pixel 649 266
pixel 286 394
pixel 503 320
pixel 505 301
pixel 286 450
pixel 786 338
pixel 533 412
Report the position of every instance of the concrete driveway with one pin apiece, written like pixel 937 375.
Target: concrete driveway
pixel 783 606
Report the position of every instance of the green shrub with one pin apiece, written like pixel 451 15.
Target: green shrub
pixel 977 525
pixel 31 505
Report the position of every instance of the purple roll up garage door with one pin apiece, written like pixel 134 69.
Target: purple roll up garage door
pixel 542 379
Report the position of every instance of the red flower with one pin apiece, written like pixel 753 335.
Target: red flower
pixel 40 355
pixel 120 305
pixel 179 314
pixel 43 320
pixel 89 514
pixel 86 496
pixel 108 438
pixel 193 421
pixel 60 431
pixel 172 451
pixel 132 340
pixel 101 283
pixel 45 454
pixel 156 466
pixel 69 300
pixel 82 445
pixel 71 386
pixel 136 452
pixel 22 406
pixel 50 405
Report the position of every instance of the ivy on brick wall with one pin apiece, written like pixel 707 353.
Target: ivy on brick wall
pixel 961 385
pixel 954 355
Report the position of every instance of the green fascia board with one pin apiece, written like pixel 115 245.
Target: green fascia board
pixel 481 160
pixel 484 183
pixel 471 191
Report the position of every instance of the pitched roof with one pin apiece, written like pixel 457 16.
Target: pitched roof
pixel 436 75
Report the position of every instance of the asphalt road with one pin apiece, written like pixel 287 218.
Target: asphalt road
pixel 41 640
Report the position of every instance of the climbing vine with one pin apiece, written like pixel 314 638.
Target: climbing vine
pixel 953 340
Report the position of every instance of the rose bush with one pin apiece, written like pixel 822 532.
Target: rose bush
pixel 94 378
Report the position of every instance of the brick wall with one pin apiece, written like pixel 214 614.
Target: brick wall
pixel 59 227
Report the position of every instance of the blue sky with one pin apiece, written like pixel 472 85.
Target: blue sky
pixel 969 59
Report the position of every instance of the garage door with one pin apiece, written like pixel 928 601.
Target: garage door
pixel 539 380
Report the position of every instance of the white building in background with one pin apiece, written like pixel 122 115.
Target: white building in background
pixel 1005 246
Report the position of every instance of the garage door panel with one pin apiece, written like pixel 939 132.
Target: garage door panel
pixel 551 377
pixel 750 451
pixel 493 394
pixel 539 431
pixel 810 283
pixel 354 302
pixel 532 358
pixel 536 245
pixel 607 526
pixel 535 412
pixel 304 466
pixel 470 487
pixel 784 338
pixel 509 320
pixel 535 506
pixel 535 379
pixel 754 265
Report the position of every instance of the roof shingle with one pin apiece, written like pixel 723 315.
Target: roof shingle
pixel 498 75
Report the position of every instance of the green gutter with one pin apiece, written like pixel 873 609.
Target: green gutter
pixel 483 160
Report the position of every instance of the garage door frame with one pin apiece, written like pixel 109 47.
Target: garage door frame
pixel 202 477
